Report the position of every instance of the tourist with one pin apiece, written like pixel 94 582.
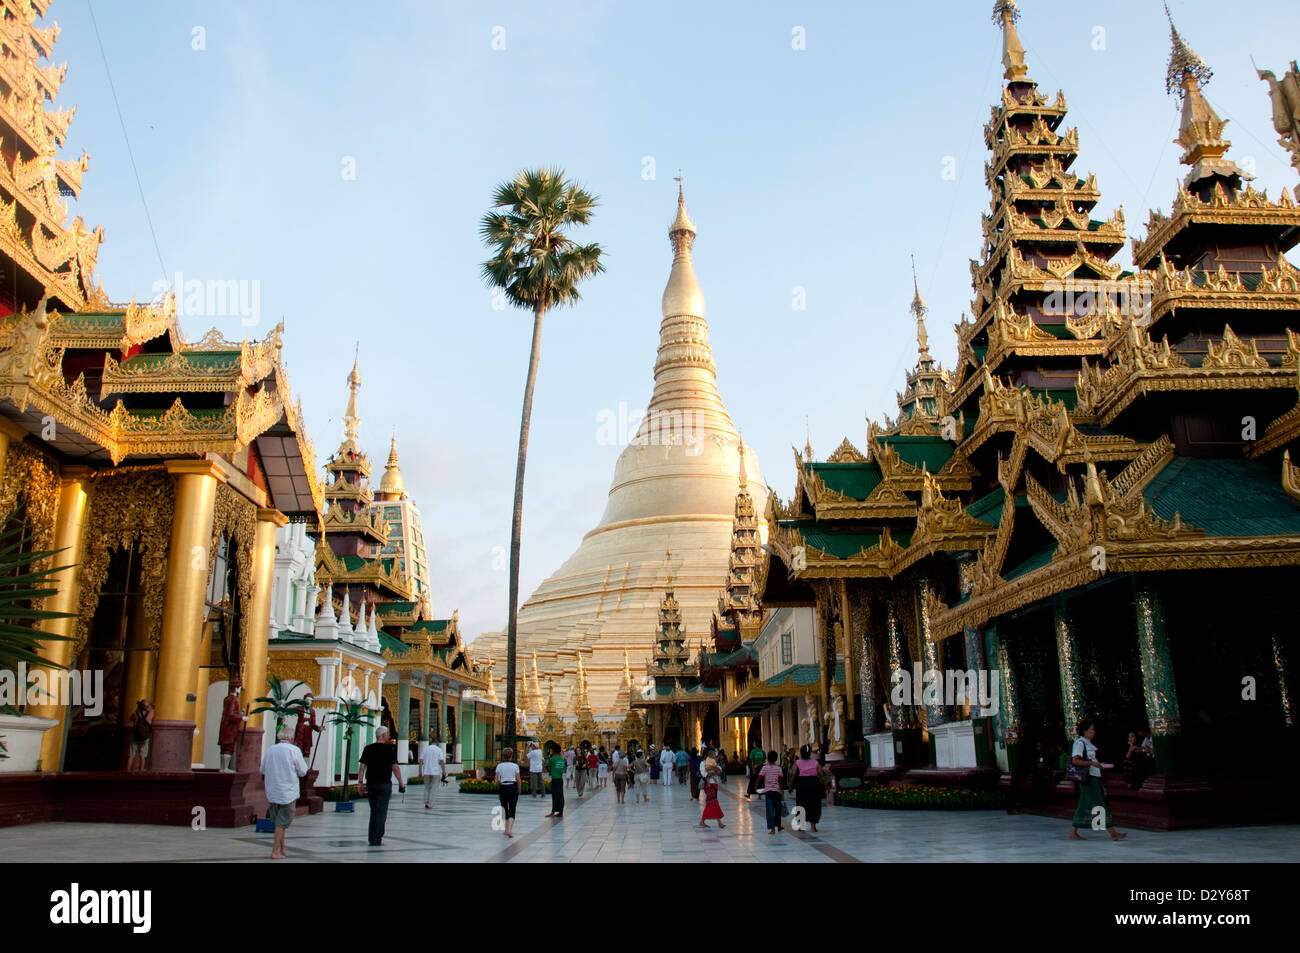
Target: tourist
pixel 771 777
pixel 619 769
pixel 756 759
pixel 721 757
pixel 667 761
pixel 593 768
pixel 141 732
pixel 653 758
pixel 641 772
pixel 282 766
pixel 536 765
pixel 807 781
pixel 694 772
pixel 507 776
pixel 712 809
pixel 1092 795
pixel 558 765
pixel 433 765
pixel 683 765
pixel 380 759
pixel 602 771
pixel 579 772
pixel 569 773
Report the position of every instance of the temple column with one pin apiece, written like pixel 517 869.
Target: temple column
pixel 908 750
pixel 202 680
pixel 1284 682
pixel 859 636
pixel 182 619
pixel 976 662
pixel 936 712
pixel 1009 701
pixel 69 520
pixel 1157 674
pixel 403 716
pixel 255 686
pixel 426 710
pixel 10 432
pixel 1067 655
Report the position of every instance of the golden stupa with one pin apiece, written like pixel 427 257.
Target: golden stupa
pixel 670 510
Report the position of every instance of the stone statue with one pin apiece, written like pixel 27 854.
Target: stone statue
pixel 1285 96
pixel 835 722
pixel 232 719
pixel 812 722
pixel 306 730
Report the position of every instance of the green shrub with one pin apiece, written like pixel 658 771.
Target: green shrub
pixel 480 786
pixel 336 793
pixel 919 797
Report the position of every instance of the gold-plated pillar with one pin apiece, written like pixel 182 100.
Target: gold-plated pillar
pixel 187 576
pixel 69 522
pixel 263 569
pixel 202 681
pixel 10 432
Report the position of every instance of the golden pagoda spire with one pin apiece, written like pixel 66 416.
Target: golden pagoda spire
pixel 392 485
pixel 807 443
pixel 668 562
pixel 537 690
pixel 919 310
pixel 1005 14
pixel 351 420
pixel 627 670
pixel 740 451
pixel 550 696
pixel 1200 132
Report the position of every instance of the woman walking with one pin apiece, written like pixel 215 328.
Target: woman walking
pixel 641 772
pixel 618 768
pixel 507 775
pixel 712 809
pixel 557 766
pixel 580 771
pixel 808 789
pixel 602 769
pixel 693 767
pixel 1092 795
pixel 770 779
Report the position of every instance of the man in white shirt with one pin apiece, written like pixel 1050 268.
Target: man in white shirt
pixel 282 766
pixel 536 765
pixel 433 768
pixel 666 761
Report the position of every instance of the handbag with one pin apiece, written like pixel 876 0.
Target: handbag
pixel 1075 773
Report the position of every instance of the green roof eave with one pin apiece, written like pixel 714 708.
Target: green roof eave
pixel 1224 497
pixel 855 480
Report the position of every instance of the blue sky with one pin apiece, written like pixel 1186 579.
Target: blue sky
pixel 818 168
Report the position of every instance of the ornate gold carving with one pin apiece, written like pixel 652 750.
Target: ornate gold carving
pixel 846 453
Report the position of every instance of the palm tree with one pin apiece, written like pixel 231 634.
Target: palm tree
pixel 280 702
pixel 538 267
pixel 351 717
pixel 24 585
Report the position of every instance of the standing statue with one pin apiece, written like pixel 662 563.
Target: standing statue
pixel 1285 96
pixel 306 730
pixel 232 719
pixel 812 722
pixel 835 722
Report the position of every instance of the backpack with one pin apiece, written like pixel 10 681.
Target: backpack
pixel 142 730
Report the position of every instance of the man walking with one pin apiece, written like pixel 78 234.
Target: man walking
pixel 282 766
pixel 756 761
pixel 380 759
pixel 557 766
pixel 683 765
pixel 433 767
pixel 666 764
pixel 536 764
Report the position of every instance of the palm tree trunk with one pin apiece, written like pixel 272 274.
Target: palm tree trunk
pixel 516 526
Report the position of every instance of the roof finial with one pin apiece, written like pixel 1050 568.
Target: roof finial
pixel 1005 15
pixel 668 561
pixel 740 449
pixel 919 310
pixel 807 444
pixel 1184 65
pixel 1200 132
pixel 682 231
pixel 351 420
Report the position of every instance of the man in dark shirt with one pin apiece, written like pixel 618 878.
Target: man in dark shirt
pixel 380 760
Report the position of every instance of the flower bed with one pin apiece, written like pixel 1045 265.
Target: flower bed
pixel 919 797
pixel 481 786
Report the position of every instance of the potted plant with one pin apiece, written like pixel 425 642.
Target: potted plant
pixel 350 716
pixel 280 702
pixel 23 586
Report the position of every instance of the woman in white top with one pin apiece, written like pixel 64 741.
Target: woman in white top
pixel 1093 805
pixel 507 775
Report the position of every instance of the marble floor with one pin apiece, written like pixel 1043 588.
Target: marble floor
pixel 596 828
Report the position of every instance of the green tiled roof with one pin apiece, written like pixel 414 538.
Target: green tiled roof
pixel 396 646
pixel 202 413
pixel 843 545
pixel 1224 497
pixel 90 321
pixel 430 625
pixel 205 360
pixel 855 480
pixel 989 508
pixel 395 608
pixel 934 451
pixel 806 674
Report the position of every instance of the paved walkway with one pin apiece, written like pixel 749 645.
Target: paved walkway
pixel 596 828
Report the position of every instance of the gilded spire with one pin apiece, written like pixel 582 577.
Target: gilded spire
pixel 1200 132
pixel 392 485
pixel 807 444
pixel 668 562
pixel 740 450
pixel 919 310
pixel 627 670
pixel 351 420
pixel 1005 14
pixel 682 296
